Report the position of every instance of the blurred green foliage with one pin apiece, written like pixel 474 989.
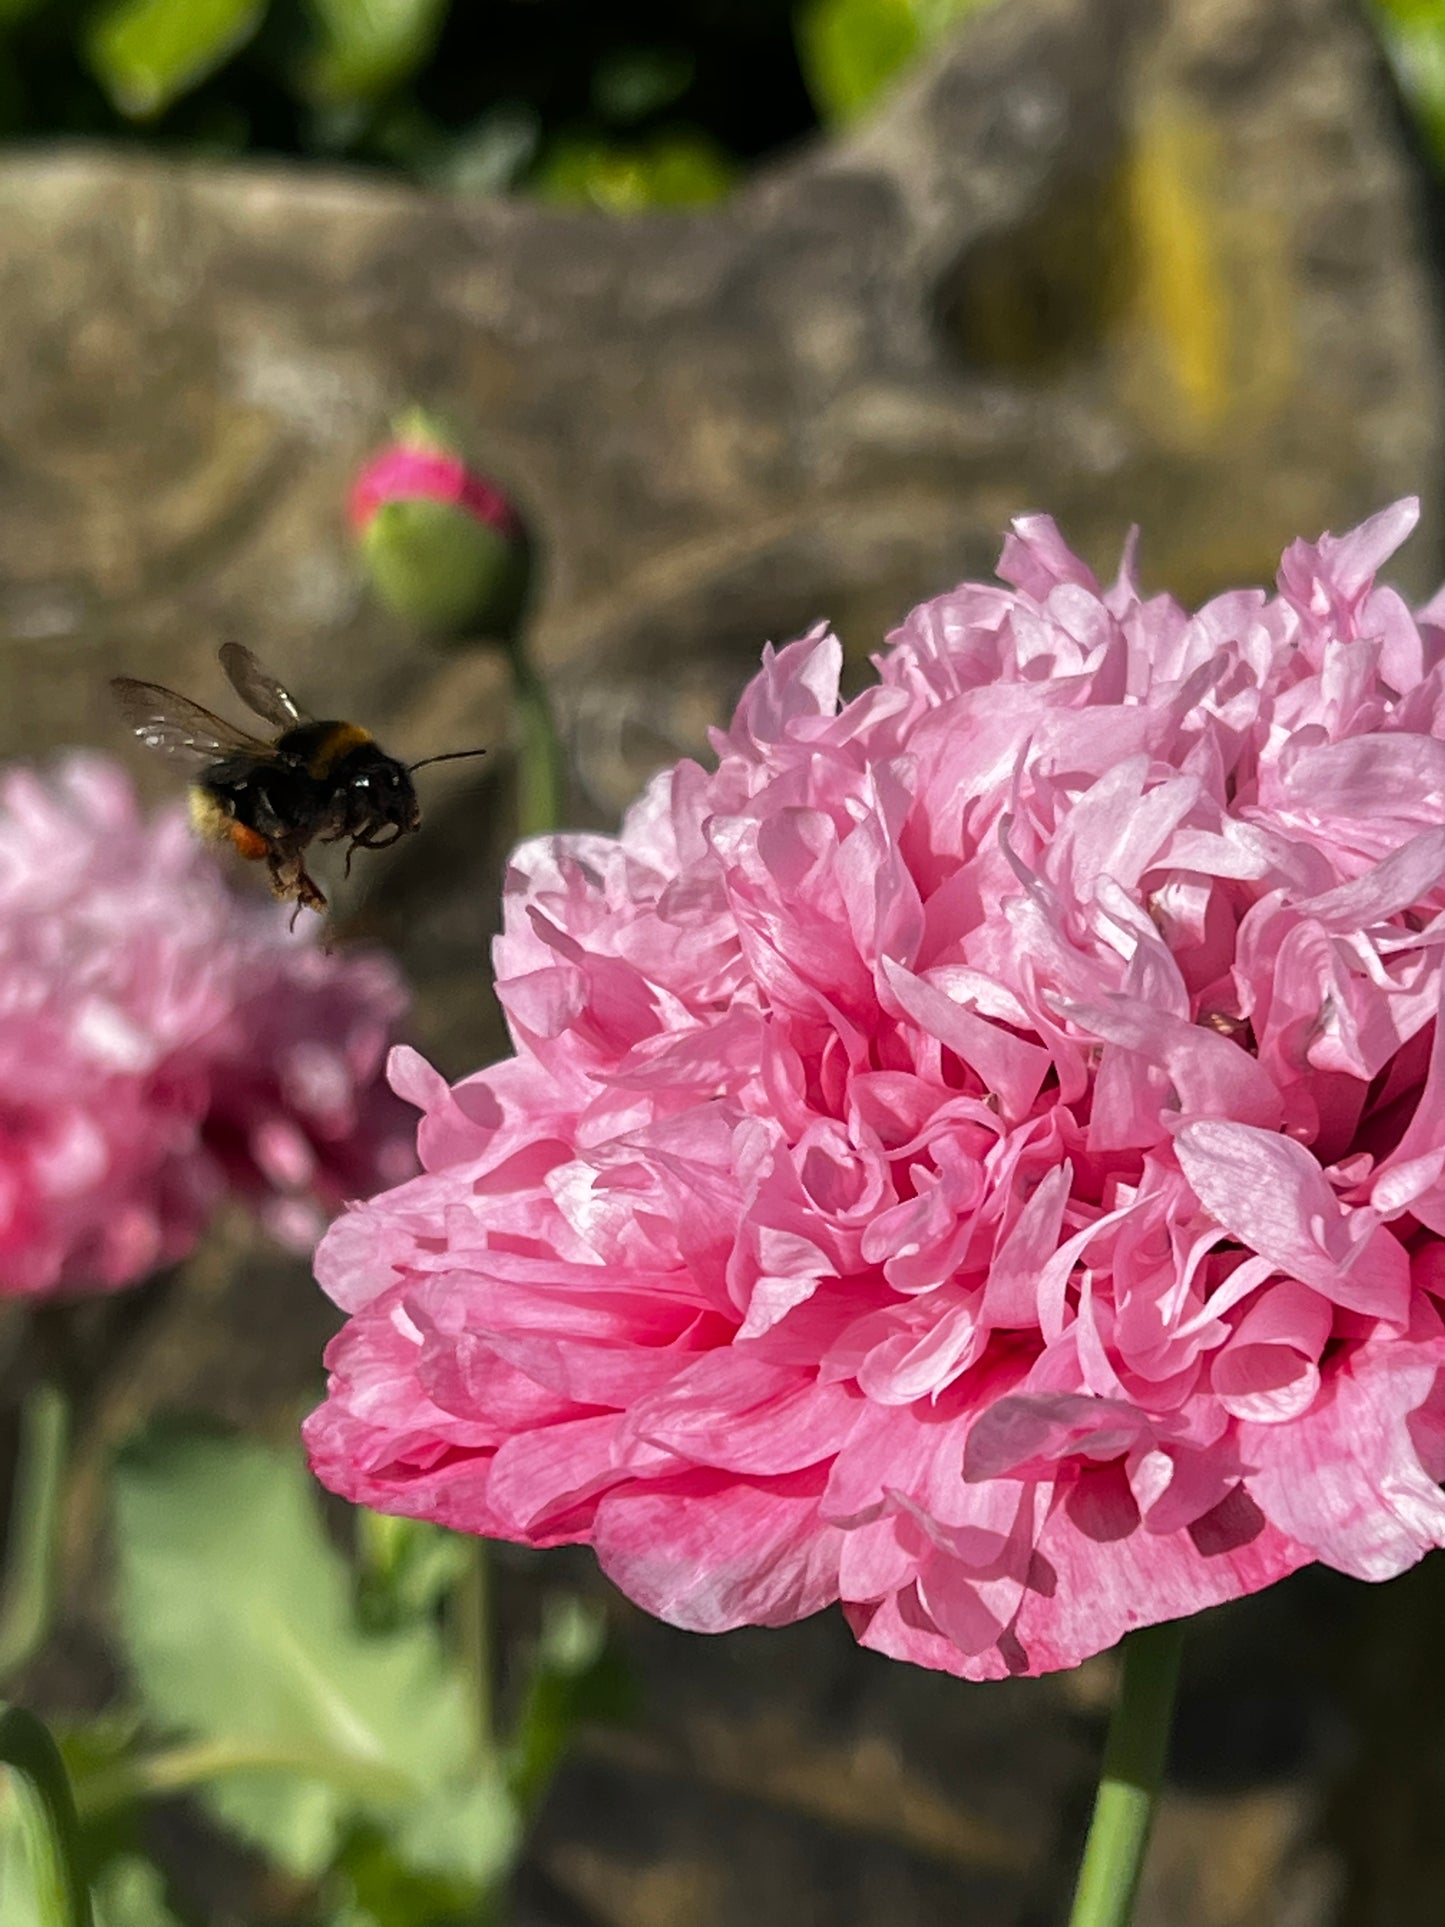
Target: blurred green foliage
pixel 146 53
pixel 623 105
pixel 679 168
pixel 634 102
pixel 364 48
pixel 131 1893
pixel 850 49
pixel 1413 33
pixel 631 104
pixel 239 1623
pixel 335 1714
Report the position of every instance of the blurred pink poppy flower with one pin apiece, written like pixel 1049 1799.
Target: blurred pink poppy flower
pixel 164 1041
pixel 977 1155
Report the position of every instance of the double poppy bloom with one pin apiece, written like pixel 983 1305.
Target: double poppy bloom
pixel 977 1154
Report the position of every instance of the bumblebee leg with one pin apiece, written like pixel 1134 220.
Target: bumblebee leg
pixel 308 896
pixel 359 841
pixel 290 882
pixel 373 839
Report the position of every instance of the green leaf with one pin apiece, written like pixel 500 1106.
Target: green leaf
pixel 94 1752
pixel 1413 32
pixel 1410 13
pixel 573 1677
pixel 849 50
pixel 373 1887
pixel 18 1872
pixel 367 47
pixel 128 1892
pixel 408 1566
pixel 131 1893
pixel 633 82
pixel 147 53
pixel 239 1624
pixel 35 1790
pixel 490 155
pixel 679 169
pixel 469 1831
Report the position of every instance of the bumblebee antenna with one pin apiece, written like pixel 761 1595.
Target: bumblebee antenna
pixel 447 756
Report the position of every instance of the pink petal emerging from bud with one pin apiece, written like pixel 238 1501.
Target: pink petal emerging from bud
pixel 441 545
pixel 408 474
pixel 976 1155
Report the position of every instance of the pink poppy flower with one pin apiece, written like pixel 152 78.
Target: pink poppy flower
pixel 163 1041
pixel 977 1155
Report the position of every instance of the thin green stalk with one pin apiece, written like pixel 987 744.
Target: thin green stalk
pixel 1129 1784
pixel 32 1545
pixel 28 1750
pixel 541 766
pixel 473 1617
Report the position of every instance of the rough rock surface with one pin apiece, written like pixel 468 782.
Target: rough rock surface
pixel 1128 262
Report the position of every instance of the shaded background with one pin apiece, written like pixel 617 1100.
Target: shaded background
pixel 763 313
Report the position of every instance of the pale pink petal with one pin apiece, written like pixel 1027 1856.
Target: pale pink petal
pixel 1269 1369
pixel 744 1415
pixel 1268 1192
pixel 708 1552
pixel 1344 1478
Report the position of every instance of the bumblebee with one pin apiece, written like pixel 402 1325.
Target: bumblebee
pixel 316 780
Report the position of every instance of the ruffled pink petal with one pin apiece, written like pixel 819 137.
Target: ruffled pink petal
pixel 709 1552
pixel 1270 1194
pixel 1344 1478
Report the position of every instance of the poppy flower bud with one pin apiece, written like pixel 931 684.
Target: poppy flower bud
pixel 442 545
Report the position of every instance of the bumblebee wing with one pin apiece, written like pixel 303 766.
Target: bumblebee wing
pixel 260 690
pixel 174 726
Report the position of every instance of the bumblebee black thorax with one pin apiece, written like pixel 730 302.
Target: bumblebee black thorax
pixel 333 750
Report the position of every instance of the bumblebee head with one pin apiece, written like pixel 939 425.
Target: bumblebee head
pixel 381 792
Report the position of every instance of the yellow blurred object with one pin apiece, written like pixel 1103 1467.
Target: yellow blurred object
pixel 1207 326
pixel 1181 290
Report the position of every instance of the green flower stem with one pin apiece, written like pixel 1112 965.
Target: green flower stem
pixel 541 802
pixel 472 1605
pixel 28 1750
pixel 541 773
pixel 32 1546
pixel 1133 1768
